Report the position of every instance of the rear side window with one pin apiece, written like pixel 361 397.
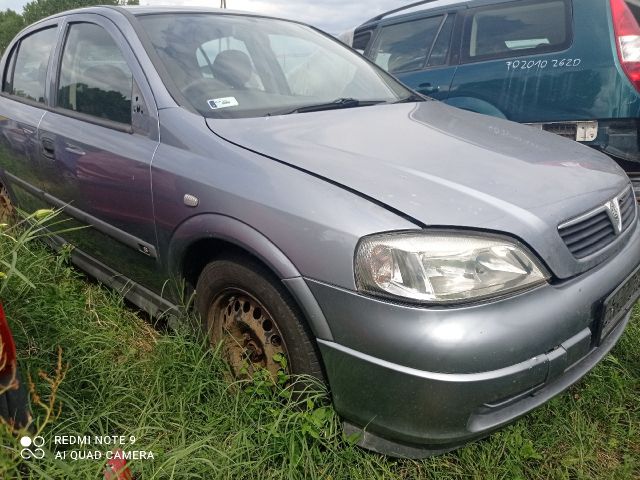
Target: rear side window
pixel 26 75
pixel 404 46
pixel 94 76
pixel 521 28
pixel 8 71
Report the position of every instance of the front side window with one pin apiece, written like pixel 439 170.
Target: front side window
pixel 29 67
pixel 361 41
pixel 521 28
pixel 234 66
pixel 404 46
pixel 94 76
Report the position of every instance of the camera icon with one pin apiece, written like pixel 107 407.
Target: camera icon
pixel 32 447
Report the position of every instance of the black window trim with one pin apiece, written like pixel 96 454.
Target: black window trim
pixel 371 32
pixel 103 122
pixel 376 41
pixel 14 51
pixel 10 67
pixel 435 40
pixel 465 58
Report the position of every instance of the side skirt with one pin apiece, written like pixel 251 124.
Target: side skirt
pixel 145 299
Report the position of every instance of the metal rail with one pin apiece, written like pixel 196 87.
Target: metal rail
pixel 399 9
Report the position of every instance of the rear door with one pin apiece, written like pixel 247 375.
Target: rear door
pixel 418 52
pixel 97 142
pixel 22 105
pixel 518 61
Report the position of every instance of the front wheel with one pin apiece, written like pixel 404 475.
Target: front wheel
pixel 244 307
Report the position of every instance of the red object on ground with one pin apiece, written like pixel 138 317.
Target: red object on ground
pixel 116 468
pixel 8 358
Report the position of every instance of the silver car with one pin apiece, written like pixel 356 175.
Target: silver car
pixel 443 271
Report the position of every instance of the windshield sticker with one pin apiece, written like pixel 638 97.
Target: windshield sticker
pixel 225 102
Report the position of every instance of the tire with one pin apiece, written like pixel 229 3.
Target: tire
pixel 7 210
pixel 247 310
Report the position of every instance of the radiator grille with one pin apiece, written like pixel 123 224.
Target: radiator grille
pixel 594 230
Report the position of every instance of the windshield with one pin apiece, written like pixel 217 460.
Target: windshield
pixel 235 66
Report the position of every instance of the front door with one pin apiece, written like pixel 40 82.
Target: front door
pixel 98 149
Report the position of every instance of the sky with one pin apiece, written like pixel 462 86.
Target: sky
pixel 333 16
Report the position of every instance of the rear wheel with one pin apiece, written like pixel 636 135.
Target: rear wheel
pixel 246 309
pixel 7 210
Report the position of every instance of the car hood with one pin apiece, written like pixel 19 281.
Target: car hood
pixel 446 167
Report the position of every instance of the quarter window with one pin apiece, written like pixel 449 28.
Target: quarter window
pixel 94 76
pixel 523 28
pixel 26 75
pixel 404 46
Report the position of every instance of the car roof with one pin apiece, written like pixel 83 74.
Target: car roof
pixel 151 10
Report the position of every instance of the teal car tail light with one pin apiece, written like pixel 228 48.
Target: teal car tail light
pixel 443 267
pixel 627 33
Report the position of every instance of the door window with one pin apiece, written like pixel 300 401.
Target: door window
pixel 29 75
pixel 361 40
pixel 404 46
pixel 94 76
pixel 521 28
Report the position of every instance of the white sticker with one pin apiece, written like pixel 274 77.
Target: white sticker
pixel 225 102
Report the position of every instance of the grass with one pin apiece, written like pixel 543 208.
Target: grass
pixel 125 377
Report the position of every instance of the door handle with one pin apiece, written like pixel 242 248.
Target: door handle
pixel 75 150
pixel 48 148
pixel 427 88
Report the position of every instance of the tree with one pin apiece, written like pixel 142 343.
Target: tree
pixel 10 24
pixel 38 9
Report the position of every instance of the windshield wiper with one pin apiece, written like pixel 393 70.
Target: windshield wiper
pixel 336 104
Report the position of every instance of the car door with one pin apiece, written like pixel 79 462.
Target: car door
pixel 22 105
pixel 516 62
pixel 417 52
pixel 97 143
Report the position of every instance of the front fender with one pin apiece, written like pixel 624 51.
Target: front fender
pixel 241 235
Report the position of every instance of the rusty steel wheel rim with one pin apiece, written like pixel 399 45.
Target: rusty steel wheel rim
pixel 251 339
pixel 7 212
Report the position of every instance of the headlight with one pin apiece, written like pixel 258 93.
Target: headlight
pixel 441 267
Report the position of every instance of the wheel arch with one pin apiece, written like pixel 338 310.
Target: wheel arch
pixel 205 237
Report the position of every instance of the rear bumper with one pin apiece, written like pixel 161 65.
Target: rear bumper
pixel 410 413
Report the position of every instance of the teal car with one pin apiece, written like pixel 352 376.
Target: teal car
pixel 566 66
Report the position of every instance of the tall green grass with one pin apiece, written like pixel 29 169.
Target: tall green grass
pixel 126 377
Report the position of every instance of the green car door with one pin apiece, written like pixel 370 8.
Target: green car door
pixel 522 61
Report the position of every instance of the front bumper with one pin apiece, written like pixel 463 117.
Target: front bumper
pixel 413 414
pixel 421 381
